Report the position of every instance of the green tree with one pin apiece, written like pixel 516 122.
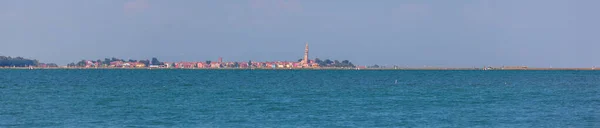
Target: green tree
pixel 99 62
pixel 249 64
pixel 328 62
pixel 156 62
pixel 320 62
pixel 317 60
pixel 82 63
pixel 374 66
pixel 52 65
pixel 145 62
pixel 208 63
pixel 236 65
pixel 17 62
pixel 106 61
pixel 345 62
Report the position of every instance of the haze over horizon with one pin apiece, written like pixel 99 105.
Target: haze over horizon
pixel 461 33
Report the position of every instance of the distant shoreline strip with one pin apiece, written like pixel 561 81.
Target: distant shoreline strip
pixel 36 68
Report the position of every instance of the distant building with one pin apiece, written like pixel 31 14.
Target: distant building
pixel 88 64
pixel 243 64
pixel 315 65
pixel 186 65
pixel 305 62
pixel 514 67
pixel 140 65
pixel 116 64
pixel 215 65
pixel 126 65
pixel 200 65
pixel 166 65
pixel 42 65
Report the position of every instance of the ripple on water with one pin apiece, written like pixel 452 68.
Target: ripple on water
pixel 257 98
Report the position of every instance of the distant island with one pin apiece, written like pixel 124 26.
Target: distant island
pixel 155 63
pixel 7 61
pixel 303 63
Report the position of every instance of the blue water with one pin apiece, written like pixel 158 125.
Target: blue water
pixel 298 98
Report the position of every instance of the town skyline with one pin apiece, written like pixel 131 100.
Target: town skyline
pixel 463 33
pixel 305 62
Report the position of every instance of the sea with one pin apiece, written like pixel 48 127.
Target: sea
pixel 298 98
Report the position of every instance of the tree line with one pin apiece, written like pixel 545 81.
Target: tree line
pixel 7 61
pixel 334 63
pixel 107 61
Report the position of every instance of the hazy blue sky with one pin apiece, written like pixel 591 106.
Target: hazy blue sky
pixel 465 33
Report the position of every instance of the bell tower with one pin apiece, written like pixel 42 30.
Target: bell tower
pixel 305 61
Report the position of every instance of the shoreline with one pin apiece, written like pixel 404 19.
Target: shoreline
pixel 525 69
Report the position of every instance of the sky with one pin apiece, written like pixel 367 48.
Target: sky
pixel 412 33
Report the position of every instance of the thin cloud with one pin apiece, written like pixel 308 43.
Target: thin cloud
pixel 412 9
pixel 268 11
pixel 277 5
pixel 409 14
pixel 134 6
pixel 291 5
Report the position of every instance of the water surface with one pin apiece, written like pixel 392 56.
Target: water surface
pixel 298 98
